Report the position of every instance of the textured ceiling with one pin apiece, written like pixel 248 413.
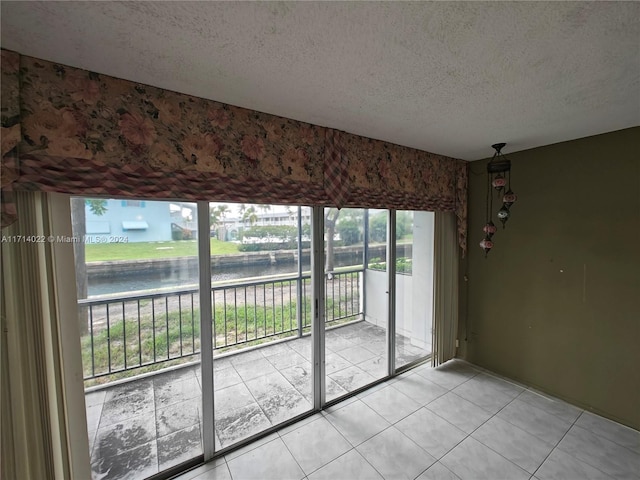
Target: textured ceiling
pixel 447 77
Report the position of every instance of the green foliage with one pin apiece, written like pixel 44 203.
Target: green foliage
pixel 269 247
pixel 350 231
pixel 249 215
pixel 98 252
pixel 378 226
pixel 403 265
pixel 272 237
pixel 97 206
pixel 350 225
pixel 179 233
pixel 178 334
pixel 404 224
pixel 217 214
pixel 279 232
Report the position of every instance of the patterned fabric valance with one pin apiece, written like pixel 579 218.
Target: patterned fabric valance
pixel 69 130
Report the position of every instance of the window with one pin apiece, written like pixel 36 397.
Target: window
pixel 162 343
pixel 133 203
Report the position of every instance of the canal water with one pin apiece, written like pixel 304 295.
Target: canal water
pixel 153 279
pixel 177 279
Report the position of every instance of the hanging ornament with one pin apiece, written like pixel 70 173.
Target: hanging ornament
pixel 486 245
pixel 499 182
pixel 489 229
pixel 503 215
pixel 509 198
pixel 498 179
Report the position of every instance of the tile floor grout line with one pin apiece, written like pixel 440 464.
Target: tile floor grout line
pixel 593 433
pixel 423 406
pixel 606 438
pixel 469 435
pixel 155 421
pixel 368 462
pixel 567 453
pixel 291 453
pixel 517 397
pixel 391 425
pixel 536 408
pixel 528 389
pixel 515 426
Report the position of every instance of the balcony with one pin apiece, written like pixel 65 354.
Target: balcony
pixel 141 363
pixel 152 422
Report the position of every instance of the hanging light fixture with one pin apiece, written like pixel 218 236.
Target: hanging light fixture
pixel 498 180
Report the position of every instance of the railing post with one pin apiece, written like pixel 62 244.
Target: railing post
pixel 299 292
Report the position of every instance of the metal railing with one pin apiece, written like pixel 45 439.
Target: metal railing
pixel 133 331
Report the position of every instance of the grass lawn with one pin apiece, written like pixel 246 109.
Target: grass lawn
pixel 177 332
pixel 142 250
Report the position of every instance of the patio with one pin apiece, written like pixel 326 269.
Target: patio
pixel 146 425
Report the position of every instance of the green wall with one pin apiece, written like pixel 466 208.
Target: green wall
pixel 556 304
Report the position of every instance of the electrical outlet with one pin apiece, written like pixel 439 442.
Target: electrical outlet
pixel 457 343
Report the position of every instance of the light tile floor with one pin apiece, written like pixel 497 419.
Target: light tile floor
pixel 452 422
pixel 139 428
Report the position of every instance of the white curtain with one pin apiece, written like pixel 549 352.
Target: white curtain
pixel 445 290
pixel 34 430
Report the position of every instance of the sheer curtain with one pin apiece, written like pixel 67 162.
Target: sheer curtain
pixel 34 423
pixel 445 295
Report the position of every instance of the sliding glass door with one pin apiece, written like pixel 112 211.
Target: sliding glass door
pixel 355 328
pixel 414 286
pixel 160 282
pixel 137 265
pixel 136 268
pixel 260 297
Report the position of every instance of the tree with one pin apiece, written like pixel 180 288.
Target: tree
pixel 331 216
pixel 350 226
pixel 378 227
pixel 79 227
pixel 404 224
pixel 265 209
pixel 249 215
pixel 217 215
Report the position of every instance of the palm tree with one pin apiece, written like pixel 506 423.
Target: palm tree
pixel 249 215
pixel 214 218
pixel 217 216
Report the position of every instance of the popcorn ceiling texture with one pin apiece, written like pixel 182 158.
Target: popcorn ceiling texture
pixel 444 77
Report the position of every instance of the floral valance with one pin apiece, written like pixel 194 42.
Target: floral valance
pixel 73 131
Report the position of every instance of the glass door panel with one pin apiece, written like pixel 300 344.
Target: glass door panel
pixel 136 265
pixel 414 286
pixel 355 342
pixel 260 307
